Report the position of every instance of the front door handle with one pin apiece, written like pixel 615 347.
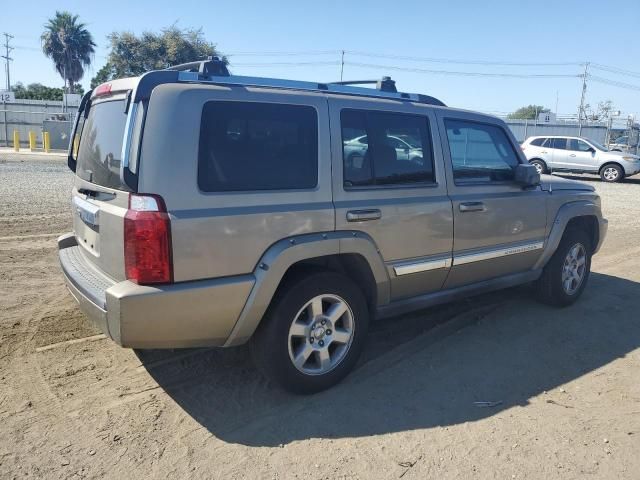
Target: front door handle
pixel 472 207
pixel 363 215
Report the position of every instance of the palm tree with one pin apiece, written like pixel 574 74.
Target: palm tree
pixel 69 45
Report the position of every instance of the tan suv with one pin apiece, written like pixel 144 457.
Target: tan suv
pixel 211 209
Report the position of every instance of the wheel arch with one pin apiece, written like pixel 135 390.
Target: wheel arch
pixel 579 214
pixel 351 253
pixel 611 162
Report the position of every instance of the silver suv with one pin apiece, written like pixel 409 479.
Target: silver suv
pixel 579 155
pixel 212 210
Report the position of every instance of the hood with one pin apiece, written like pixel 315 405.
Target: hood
pixel 549 183
pixel 611 154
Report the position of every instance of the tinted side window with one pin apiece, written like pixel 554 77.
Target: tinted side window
pixel 559 143
pixel 578 145
pixel 257 146
pixel 480 152
pixel 537 142
pixel 398 149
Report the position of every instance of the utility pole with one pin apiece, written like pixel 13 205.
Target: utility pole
pixel 582 97
pixel 342 65
pixel 7 58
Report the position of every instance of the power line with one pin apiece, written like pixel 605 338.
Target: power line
pixel 617 70
pixel 462 62
pixel 461 73
pixel 284 64
pixel 282 53
pixel 614 83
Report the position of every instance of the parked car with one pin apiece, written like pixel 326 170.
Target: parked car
pixel 621 144
pixel 579 155
pixel 238 216
pixel 407 148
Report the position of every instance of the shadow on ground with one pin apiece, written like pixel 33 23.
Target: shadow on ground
pixel 418 371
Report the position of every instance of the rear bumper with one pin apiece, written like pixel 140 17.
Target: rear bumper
pixel 186 314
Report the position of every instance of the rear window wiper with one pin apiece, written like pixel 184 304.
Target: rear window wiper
pixel 95 193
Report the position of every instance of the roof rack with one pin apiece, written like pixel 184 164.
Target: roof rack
pixel 212 66
pixel 214 70
pixel 384 85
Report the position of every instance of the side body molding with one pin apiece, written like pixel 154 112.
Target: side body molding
pixel 580 208
pixel 283 254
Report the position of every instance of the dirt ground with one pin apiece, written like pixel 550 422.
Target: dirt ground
pixel 565 383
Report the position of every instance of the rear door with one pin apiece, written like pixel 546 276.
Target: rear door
pixel 559 151
pixel 499 227
pixel 100 198
pixel 400 202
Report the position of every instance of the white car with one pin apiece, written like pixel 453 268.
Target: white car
pixel 580 155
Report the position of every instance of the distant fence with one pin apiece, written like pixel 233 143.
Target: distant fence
pixel 528 128
pixel 24 116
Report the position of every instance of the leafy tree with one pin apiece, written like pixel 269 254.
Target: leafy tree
pixel 37 91
pixel 601 113
pixel 530 112
pixel 132 55
pixel 69 45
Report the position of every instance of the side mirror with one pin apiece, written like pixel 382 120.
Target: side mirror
pixel 527 175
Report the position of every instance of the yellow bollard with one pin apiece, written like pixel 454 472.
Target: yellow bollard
pixel 16 141
pixel 32 141
pixel 46 141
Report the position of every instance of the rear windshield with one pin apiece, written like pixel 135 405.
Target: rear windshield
pixel 101 145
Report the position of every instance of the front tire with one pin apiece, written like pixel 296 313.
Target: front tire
pixel 612 173
pixel 541 167
pixel 565 276
pixel 313 333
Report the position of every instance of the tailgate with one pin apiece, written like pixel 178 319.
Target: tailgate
pixel 100 198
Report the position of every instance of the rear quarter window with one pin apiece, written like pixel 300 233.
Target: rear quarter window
pixel 248 146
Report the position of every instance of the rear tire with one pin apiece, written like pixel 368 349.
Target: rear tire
pixel 565 276
pixel 313 332
pixel 541 167
pixel 612 173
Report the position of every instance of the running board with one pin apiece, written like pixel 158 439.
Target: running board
pixel 400 307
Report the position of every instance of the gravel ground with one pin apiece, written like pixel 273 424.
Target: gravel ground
pixel 565 382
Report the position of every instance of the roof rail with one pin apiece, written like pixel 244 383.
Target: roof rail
pixel 212 66
pixel 214 70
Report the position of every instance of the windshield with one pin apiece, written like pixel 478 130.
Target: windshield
pixel 598 146
pixel 101 145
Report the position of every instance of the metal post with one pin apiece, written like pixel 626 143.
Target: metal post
pixel 526 124
pixel 6 128
pixel 342 65
pixel 582 97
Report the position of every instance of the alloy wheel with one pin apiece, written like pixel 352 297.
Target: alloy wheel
pixel 321 334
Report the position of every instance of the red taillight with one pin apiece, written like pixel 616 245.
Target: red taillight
pixel 104 89
pixel 147 240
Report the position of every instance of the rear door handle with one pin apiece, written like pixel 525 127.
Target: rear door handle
pixel 472 207
pixel 363 215
pixel 572 155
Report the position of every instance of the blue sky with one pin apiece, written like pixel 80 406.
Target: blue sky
pixel 491 31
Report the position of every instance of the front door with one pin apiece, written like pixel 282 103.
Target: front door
pixel 399 201
pixel 499 227
pixel 581 156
